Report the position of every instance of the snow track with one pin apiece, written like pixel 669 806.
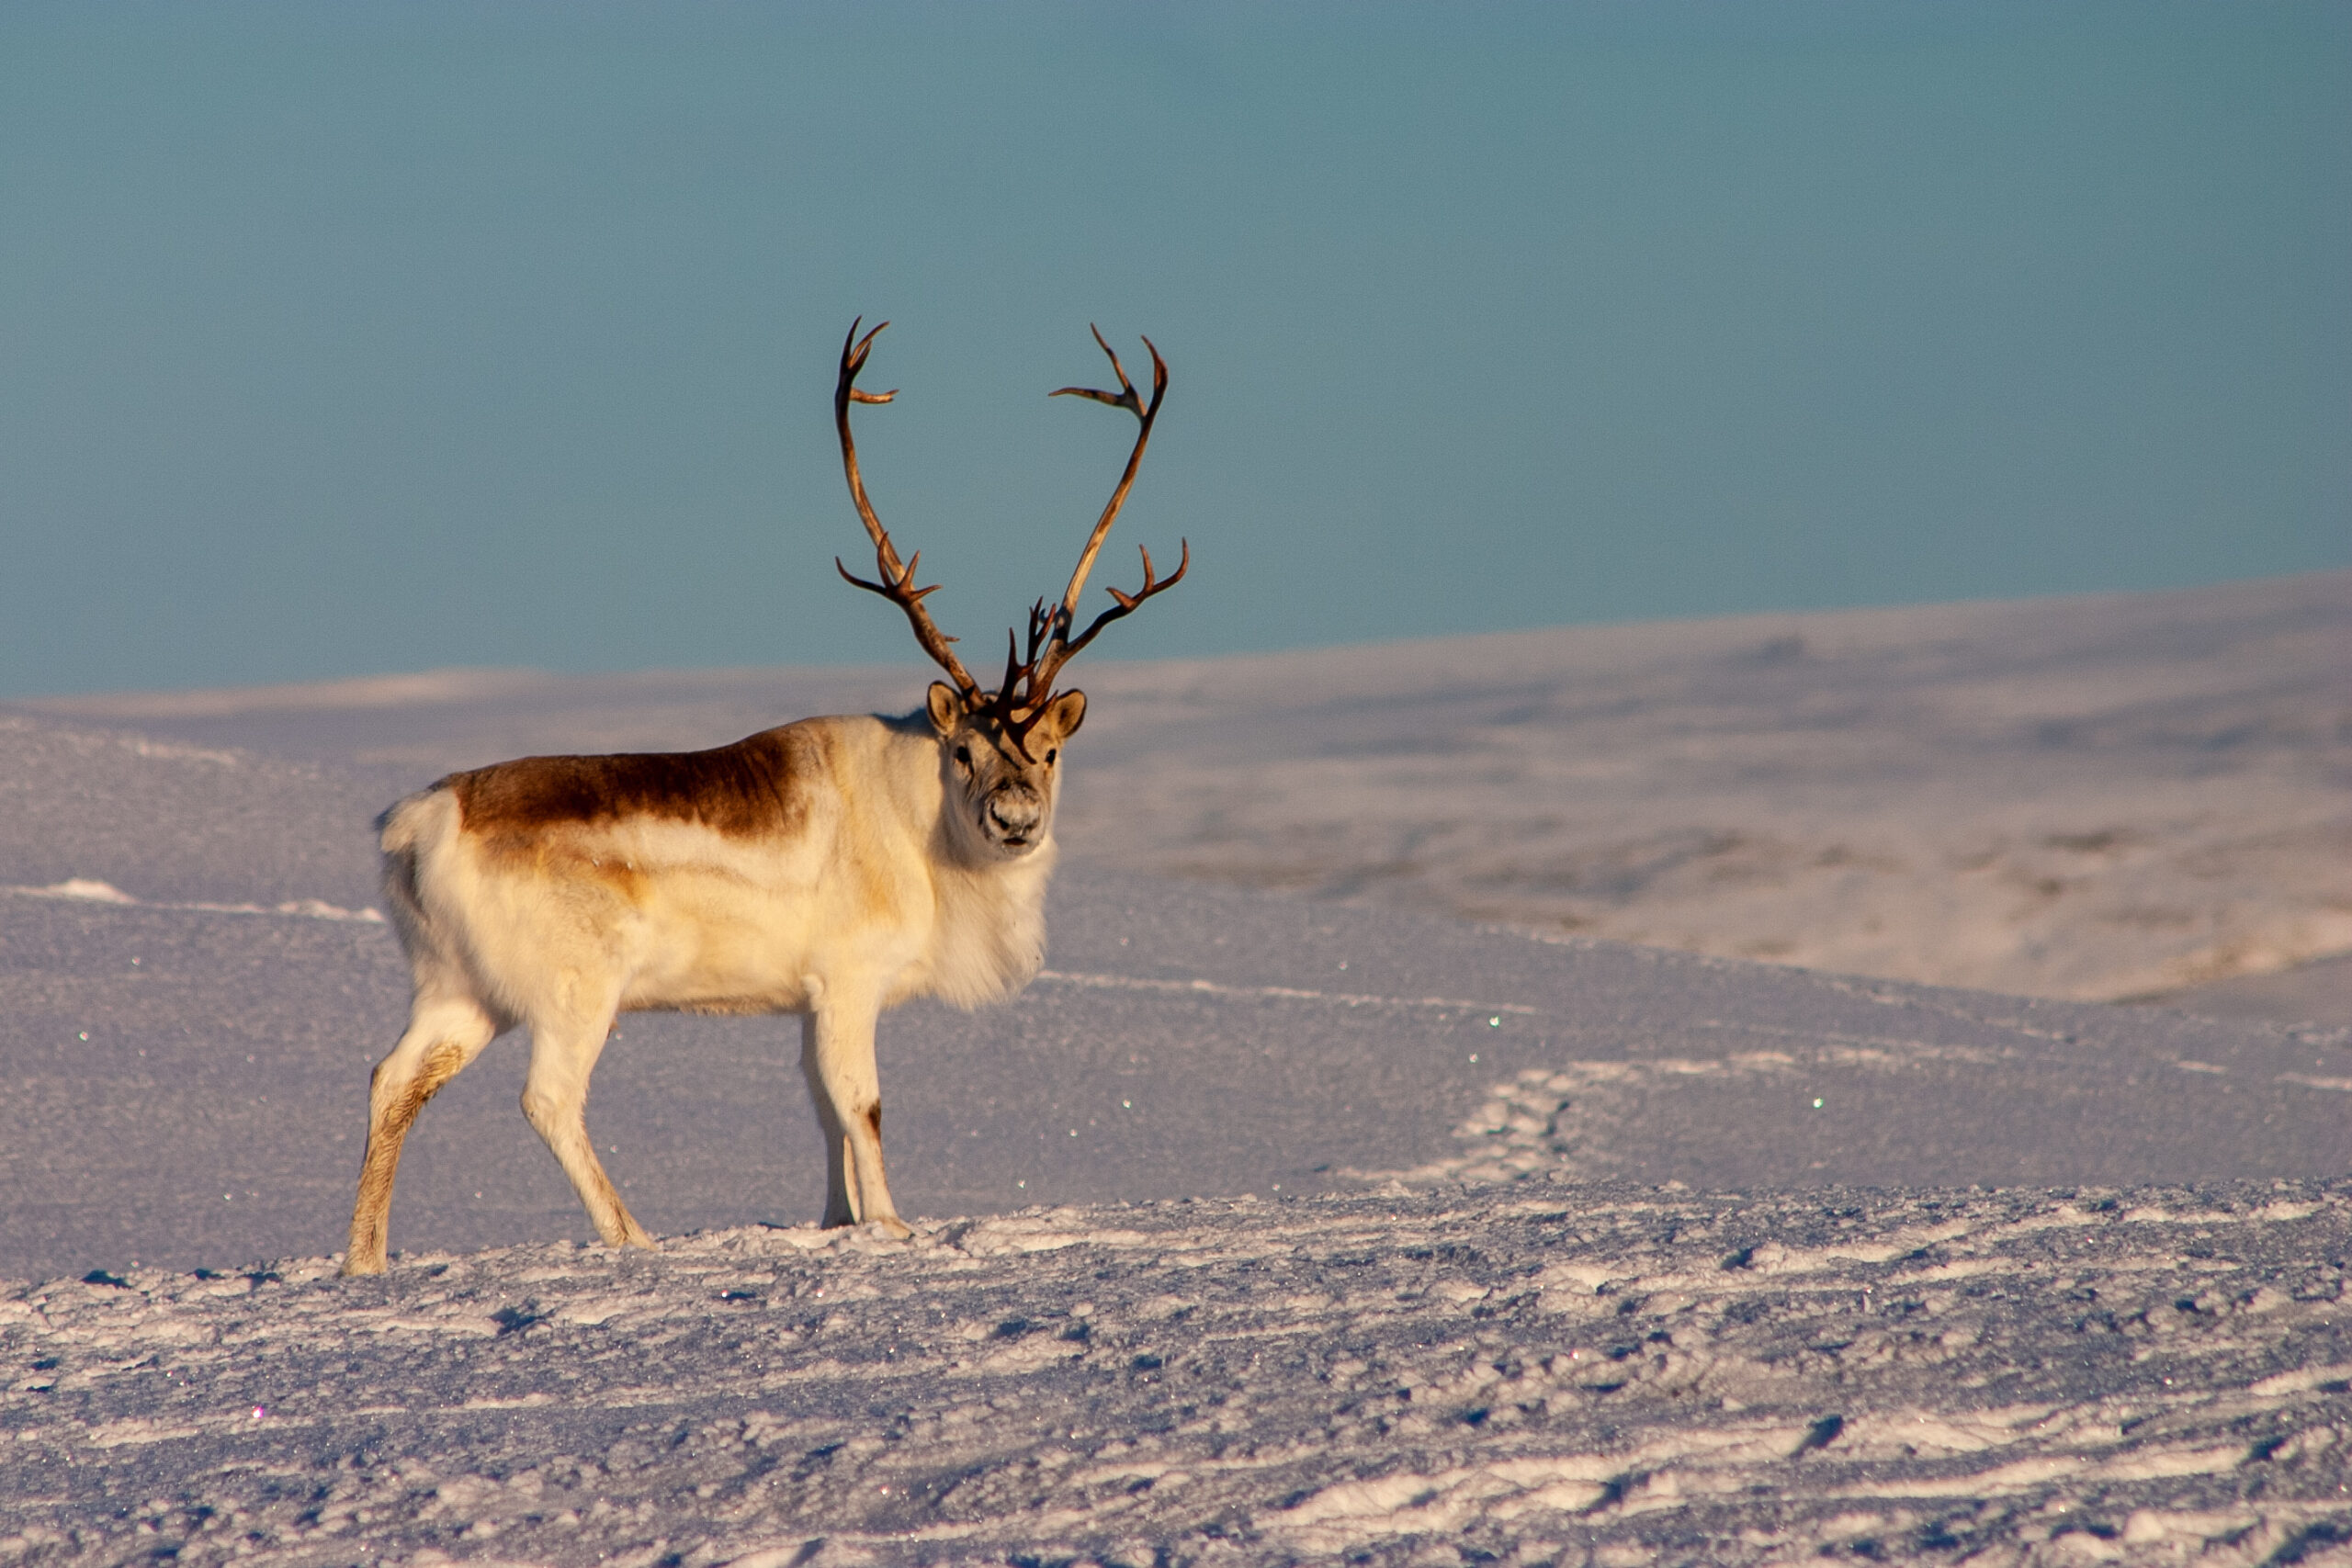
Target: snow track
pixel 1531 1373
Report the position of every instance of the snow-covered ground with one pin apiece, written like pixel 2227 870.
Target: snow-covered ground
pixel 1525 1374
pixel 2095 798
pixel 1259 1228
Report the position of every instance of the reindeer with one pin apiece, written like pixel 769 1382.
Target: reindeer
pixel 833 868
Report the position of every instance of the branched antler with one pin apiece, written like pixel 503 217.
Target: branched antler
pixel 1050 643
pixel 898 584
pixel 1028 684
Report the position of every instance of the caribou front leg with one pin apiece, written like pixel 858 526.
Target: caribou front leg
pixel 837 1058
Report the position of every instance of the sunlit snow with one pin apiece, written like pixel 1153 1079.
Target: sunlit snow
pixel 1258 1229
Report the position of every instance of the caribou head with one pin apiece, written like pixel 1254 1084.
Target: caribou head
pixel 1000 750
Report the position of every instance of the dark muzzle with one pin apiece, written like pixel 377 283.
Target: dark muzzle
pixel 1015 814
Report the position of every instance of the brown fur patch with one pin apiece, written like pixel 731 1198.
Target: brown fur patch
pixel 441 1064
pixel 874 1120
pixel 743 791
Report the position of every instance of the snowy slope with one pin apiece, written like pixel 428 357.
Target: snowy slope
pixel 187 1075
pixel 2091 799
pixel 1356 1230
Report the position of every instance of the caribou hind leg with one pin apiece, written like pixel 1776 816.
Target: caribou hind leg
pixel 445 1032
pixel 555 1098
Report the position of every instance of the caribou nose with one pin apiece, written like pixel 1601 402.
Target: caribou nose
pixel 1017 812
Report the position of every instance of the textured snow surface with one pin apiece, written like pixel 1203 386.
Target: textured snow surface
pixel 1538 1372
pixel 1258 1230
pixel 2093 798
pixel 187 1085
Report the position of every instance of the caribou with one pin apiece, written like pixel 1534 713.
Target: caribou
pixel 833 868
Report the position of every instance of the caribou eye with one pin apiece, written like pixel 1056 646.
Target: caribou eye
pixel 1051 755
pixel 964 755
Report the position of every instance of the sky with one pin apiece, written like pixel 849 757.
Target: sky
pixel 357 339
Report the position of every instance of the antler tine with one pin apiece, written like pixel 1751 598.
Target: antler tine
pixel 897 583
pixel 1015 667
pixel 1125 398
pixel 1041 626
pixel 1127 601
pixel 1016 717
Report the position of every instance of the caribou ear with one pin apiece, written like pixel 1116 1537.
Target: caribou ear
pixel 1066 712
pixel 947 708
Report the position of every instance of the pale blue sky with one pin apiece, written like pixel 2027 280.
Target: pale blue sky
pixel 342 339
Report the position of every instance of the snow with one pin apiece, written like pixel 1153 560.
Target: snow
pixel 1258 1229
pixel 1515 1373
pixel 2094 798
pixel 96 892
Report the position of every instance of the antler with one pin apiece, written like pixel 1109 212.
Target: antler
pixel 1050 644
pixel 1020 701
pixel 898 584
